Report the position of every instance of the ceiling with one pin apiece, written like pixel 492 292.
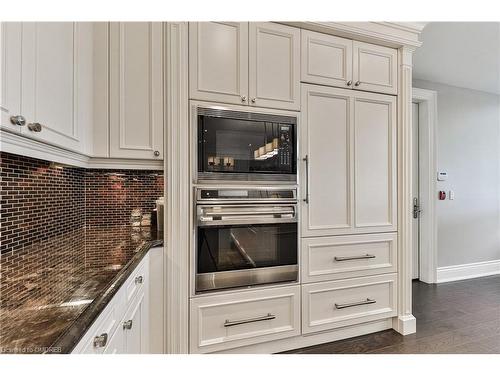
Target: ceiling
pixel 463 54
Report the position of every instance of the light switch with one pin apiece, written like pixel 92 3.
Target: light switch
pixel 452 195
pixel 442 176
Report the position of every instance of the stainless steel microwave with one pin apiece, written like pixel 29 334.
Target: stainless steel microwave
pixel 245 146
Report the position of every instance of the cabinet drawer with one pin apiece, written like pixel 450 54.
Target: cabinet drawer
pixel 244 318
pixel 339 257
pixel 135 282
pixel 335 304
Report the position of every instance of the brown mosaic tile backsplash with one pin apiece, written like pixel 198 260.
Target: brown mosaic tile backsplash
pixel 84 215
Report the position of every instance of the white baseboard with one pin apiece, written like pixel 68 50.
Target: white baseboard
pixel 468 271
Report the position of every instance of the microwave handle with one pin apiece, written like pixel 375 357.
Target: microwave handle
pixel 306 159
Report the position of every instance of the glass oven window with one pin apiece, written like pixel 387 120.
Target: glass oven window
pixel 245 146
pixel 230 248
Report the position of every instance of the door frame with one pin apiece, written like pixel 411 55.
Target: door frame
pixel 427 114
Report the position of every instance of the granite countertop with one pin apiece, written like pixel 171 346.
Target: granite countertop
pixel 42 325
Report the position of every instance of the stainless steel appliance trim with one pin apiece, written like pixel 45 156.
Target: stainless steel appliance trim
pixel 252 116
pixel 245 214
pixel 229 323
pixel 210 177
pixel 368 301
pixel 341 259
pixel 243 278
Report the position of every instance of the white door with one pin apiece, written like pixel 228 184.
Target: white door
pixel 326 59
pixel 375 166
pixel 56 90
pixel 136 325
pixel 136 90
pixel 415 185
pixel 274 67
pixel 327 175
pixel 218 61
pixel 375 68
pixel 10 74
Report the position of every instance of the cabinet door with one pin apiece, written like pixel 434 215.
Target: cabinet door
pixel 274 67
pixel 56 89
pixel 218 61
pixel 136 90
pixel 10 74
pixel 326 59
pixel 136 325
pixel 375 68
pixel 375 162
pixel 327 176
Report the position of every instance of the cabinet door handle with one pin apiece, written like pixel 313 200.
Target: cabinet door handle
pixel 243 98
pixel 35 127
pixel 101 340
pixel 357 83
pixel 306 159
pixel 341 259
pixel 127 324
pixel 139 280
pixel 269 316
pixel 254 100
pixel 18 120
pixel 349 83
pixel 368 301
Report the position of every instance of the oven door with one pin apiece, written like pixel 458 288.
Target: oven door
pixel 245 146
pixel 245 245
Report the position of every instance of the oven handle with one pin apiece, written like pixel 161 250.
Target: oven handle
pixel 252 214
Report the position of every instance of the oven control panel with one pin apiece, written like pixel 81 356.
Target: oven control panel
pixel 285 152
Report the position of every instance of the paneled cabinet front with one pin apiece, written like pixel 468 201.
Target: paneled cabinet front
pixel 254 64
pixel 48 81
pixel 348 162
pixel 136 90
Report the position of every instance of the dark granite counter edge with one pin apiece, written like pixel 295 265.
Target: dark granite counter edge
pixel 67 341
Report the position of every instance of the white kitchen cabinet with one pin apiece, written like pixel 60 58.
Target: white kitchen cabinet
pixel 274 67
pixel 136 325
pixel 117 343
pixel 256 63
pixel 218 61
pixel 335 304
pixel 326 59
pixel 56 84
pixel 375 68
pixel 136 90
pixel 348 162
pixel 338 257
pixel 230 320
pixel 10 74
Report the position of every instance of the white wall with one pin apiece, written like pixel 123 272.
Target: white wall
pixel 468 148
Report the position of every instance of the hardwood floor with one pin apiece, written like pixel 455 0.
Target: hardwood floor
pixel 457 317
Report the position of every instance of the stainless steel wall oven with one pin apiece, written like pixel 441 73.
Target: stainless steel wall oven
pixel 245 237
pixel 245 146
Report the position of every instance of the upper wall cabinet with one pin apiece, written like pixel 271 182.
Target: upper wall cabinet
pixel 51 85
pixel 333 61
pixel 10 75
pixel 375 68
pixel 136 90
pixel 326 59
pixel 274 66
pixel 218 61
pixel 254 64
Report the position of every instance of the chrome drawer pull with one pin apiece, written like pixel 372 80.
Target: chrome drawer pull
pixel 138 280
pixel 127 324
pixel 341 259
pixel 101 340
pixel 368 301
pixel 228 323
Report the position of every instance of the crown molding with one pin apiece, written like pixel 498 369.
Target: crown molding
pixel 390 34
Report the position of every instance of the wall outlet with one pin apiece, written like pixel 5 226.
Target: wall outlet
pixel 451 195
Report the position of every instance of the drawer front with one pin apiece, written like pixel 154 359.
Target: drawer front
pixel 237 319
pixel 103 328
pixel 340 257
pixel 136 280
pixel 335 304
